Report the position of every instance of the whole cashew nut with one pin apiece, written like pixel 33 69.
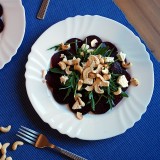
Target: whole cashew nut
pixel 126 65
pixel 119 91
pixel 16 144
pixel 4 148
pixel 62 65
pixel 67 70
pixel 5 129
pixel 134 81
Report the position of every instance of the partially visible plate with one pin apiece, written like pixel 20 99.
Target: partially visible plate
pixel 91 127
pixel 12 35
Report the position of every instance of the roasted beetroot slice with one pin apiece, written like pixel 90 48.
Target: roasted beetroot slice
pixel 84 109
pixel 1 10
pixel 116 68
pixel 1 25
pixel 72 50
pixel 56 58
pixel 89 40
pixel 112 46
pixel 117 99
pixel 101 107
pixel 54 83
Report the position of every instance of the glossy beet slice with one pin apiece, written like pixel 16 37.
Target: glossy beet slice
pixel 1 10
pixel 117 99
pixel 55 59
pixel 101 107
pixel 1 25
pixel 53 81
pixel 116 68
pixel 89 40
pixel 112 47
pixel 72 41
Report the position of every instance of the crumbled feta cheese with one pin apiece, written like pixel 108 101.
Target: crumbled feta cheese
pixel 109 59
pixel 90 50
pixel 122 80
pixel 85 46
pixel 63 79
pixel 121 56
pixel 93 42
pixel 62 56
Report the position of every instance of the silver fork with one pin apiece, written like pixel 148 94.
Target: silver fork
pixel 40 141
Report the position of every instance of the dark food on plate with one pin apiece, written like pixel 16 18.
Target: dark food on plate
pixel 89 75
pixel 1 22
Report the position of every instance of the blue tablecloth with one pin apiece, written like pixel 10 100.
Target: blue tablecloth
pixel 141 142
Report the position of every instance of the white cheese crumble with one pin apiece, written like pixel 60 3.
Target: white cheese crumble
pixel 93 42
pixel 109 59
pixel 121 56
pixel 63 79
pixel 90 50
pixel 122 80
pixel 84 47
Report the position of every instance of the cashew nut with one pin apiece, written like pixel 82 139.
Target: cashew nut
pixel 97 86
pixel 119 91
pixel 79 115
pixel 105 70
pixel 82 54
pixel 5 129
pixel 62 65
pixel 3 157
pixel 78 68
pixel 88 81
pixel 16 144
pixel 134 81
pixel 101 60
pixel 80 83
pixel 76 105
pixel 67 70
pixel 76 61
pixel 43 73
pixel 4 148
pixel 63 79
pixel 107 77
pixel 9 158
pixel 80 101
pixel 69 62
pixel 89 88
pixel 92 75
pixel 126 65
pixel 86 72
pixel 93 58
pixel 98 69
pixel 93 42
pixel 64 47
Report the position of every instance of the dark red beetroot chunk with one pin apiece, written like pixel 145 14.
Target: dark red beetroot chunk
pixel 116 68
pixel 1 10
pixel 101 106
pixel 56 58
pixel 89 40
pixel 73 47
pixel 112 46
pixel 1 25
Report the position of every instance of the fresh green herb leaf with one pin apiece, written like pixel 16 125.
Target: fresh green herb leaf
pixel 67 94
pixel 55 47
pixel 57 70
pixel 92 100
pixel 65 87
pixel 123 94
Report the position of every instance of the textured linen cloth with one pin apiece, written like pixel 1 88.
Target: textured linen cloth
pixel 141 142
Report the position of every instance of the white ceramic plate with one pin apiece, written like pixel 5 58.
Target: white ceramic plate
pixel 12 35
pixel 92 127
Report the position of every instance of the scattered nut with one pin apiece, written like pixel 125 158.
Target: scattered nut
pixel 82 54
pixel 93 58
pixel 79 115
pixel 98 69
pixel 16 144
pixel 77 95
pixel 67 70
pixel 63 79
pixel 9 158
pixel 105 70
pixel 134 81
pixel 93 42
pixel 43 73
pixel 78 68
pixel 76 61
pixel 88 81
pixel 81 102
pixel 4 148
pixel 5 129
pixel 107 77
pixel 80 83
pixel 62 65
pixel 119 91
pixel 76 105
pixel 3 157
pixel 92 75
pixel 64 47
pixel 126 65
pixel 97 86
pixel 89 88
pixel 101 60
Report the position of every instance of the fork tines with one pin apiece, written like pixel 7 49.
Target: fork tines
pixel 28 135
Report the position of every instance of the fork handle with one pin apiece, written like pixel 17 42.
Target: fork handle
pixel 69 154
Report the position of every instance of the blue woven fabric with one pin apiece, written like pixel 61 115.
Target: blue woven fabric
pixel 141 142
